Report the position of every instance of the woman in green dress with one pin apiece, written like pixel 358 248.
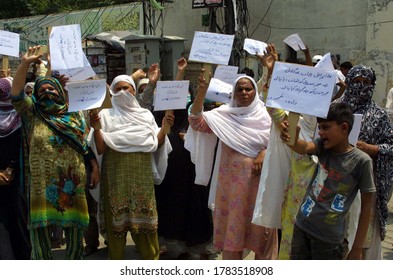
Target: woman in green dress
pixel 135 153
pixel 55 156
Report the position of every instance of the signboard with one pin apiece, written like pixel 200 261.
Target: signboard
pixel 301 89
pixel 66 47
pixel 86 95
pixel 219 91
pixel 226 73
pixel 9 43
pixel 171 95
pixel 211 48
pixel 81 73
pixel 254 47
pixel 196 4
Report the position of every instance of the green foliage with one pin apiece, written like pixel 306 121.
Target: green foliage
pixel 24 8
pixel 14 9
pixel 114 23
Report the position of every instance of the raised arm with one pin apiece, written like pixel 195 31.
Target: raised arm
pixel 268 59
pixel 307 54
pixel 19 81
pixel 167 123
pixel 181 69
pixel 201 93
pixel 137 75
pixel 145 99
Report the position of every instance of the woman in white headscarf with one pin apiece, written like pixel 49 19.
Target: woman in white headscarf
pixel 135 154
pixel 242 128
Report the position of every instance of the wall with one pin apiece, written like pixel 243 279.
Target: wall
pixel 379 48
pixel 182 21
pixel 340 27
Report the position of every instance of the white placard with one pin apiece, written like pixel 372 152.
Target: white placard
pixel 301 89
pixel 325 63
pixel 219 91
pixel 66 47
pixel 86 95
pixel 171 95
pixel 295 42
pixel 79 74
pixel 226 73
pixel 254 47
pixel 9 43
pixel 354 135
pixel 211 48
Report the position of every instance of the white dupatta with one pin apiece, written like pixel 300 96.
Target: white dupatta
pixel 244 129
pixel 128 128
pixel 274 175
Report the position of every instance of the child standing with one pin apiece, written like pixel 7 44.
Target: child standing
pixel 342 170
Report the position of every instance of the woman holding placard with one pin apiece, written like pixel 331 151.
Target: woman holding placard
pixel 56 153
pixel 135 152
pixel 242 128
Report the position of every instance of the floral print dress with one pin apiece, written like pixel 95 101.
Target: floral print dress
pixel 56 174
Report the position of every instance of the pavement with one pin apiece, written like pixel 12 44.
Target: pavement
pixel 174 248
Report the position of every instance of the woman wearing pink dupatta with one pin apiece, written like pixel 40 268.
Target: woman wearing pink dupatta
pixel 243 129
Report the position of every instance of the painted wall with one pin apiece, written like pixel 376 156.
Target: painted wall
pixel 379 47
pixel 357 30
pixel 340 27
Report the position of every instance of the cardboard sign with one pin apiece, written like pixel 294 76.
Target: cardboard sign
pixel 86 95
pixel 171 95
pixel 301 89
pixel 211 48
pixel 254 47
pixel 295 42
pixel 9 43
pixel 79 74
pixel 226 73
pixel 66 47
pixel 219 91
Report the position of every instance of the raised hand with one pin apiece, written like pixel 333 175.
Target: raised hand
pixel 138 74
pixel 202 83
pixel 153 74
pixel 181 69
pixel 269 57
pixel 182 64
pixel 168 121
pixel 31 55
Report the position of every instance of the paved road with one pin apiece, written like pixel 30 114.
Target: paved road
pixel 132 254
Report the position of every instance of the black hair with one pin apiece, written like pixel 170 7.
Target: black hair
pixel 30 77
pixel 347 65
pixel 248 72
pixel 339 112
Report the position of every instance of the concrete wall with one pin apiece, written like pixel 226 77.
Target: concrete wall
pixel 181 20
pixel 340 27
pixel 379 48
